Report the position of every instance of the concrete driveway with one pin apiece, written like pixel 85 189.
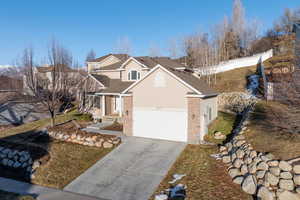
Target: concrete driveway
pixel 130 172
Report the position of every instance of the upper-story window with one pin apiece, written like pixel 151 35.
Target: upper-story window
pixel 134 75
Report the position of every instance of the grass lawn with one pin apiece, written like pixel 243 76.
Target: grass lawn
pixel 224 123
pixel 41 124
pixel 67 160
pixel 13 196
pixel 275 128
pixel 206 178
pixel 233 80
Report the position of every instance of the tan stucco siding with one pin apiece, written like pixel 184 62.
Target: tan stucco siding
pixel 132 65
pixel 110 74
pixel 160 90
pixel 209 103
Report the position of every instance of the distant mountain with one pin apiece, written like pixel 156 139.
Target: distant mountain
pixel 11 71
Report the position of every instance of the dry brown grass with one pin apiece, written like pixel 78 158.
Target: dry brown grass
pixel 206 178
pixel 14 196
pixel 67 161
pixel 233 80
pixel 274 129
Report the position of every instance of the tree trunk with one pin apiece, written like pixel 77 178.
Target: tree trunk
pixel 52 118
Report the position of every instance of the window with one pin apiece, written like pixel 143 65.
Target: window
pixel 134 75
pixel 209 113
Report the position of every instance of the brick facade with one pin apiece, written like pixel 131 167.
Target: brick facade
pixel 127 115
pixel 194 127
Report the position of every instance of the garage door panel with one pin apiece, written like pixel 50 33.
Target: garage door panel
pixel 160 124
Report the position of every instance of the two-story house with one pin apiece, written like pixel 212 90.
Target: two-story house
pixel 115 73
pixel 155 97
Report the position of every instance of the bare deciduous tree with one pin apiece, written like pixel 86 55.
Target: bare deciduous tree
pixel 123 46
pixel 54 89
pixel 90 56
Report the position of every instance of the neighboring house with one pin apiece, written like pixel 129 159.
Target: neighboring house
pixel 45 74
pixel 155 97
pixel 283 81
pixel 297 57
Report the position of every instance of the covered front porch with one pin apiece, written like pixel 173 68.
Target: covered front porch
pixel 105 105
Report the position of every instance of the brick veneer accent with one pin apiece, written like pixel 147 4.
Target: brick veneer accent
pixel 194 127
pixel 127 116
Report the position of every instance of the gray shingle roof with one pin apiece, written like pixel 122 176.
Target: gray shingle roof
pixel 119 56
pixel 111 85
pixel 193 81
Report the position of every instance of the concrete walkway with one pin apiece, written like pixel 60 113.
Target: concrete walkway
pixel 42 193
pixel 130 172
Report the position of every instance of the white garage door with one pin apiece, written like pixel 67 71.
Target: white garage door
pixel 160 124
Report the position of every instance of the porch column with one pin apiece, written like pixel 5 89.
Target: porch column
pixel 194 120
pixel 128 119
pixel 103 105
pixel 120 106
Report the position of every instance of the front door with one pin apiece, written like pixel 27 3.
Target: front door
pixel 108 105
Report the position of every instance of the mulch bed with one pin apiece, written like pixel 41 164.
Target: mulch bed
pixel 114 127
pixel 70 128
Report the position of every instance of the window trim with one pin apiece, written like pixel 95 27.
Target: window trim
pixel 138 75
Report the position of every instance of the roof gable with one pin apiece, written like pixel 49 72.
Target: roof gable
pixel 187 79
pixel 134 60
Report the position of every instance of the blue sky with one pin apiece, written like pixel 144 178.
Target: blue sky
pixel 98 24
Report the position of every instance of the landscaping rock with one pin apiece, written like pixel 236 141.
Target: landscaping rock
pixel 10 163
pixel 262 166
pixel 286 184
pixel 226 159
pixel 240 153
pixel 36 164
pixel 234 172
pixel 249 184
pixel 237 163
pixel 222 148
pixel 285 166
pixel 273 180
pixel 244 169
pixel 16 164
pixel 286 175
pixel 296 169
pixel 298 190
pixel 238 180
pixel 273 163
pixel 252 168
pixel 240 143
pixel 287 195
pixel 5 161
pixel 265 194
pixel 260 174
pixel 297 179
pixel 219 135
pixel 275 171
pixel 107 145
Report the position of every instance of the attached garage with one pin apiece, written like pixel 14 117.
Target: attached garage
pixel 166 104
pixel 160 124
